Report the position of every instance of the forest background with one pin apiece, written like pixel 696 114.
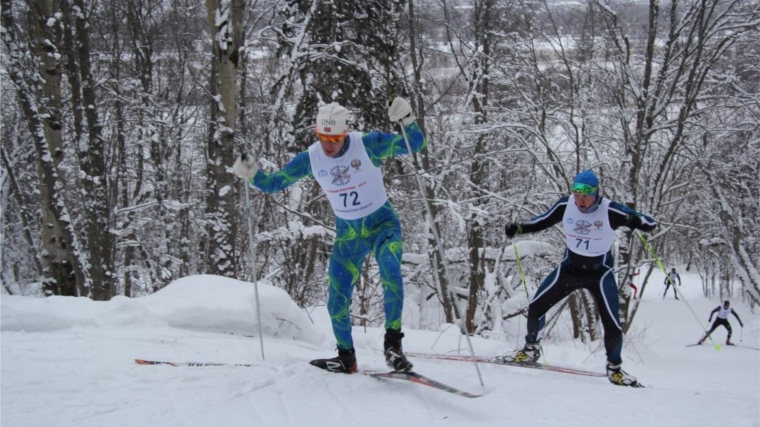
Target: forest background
pixel 121 120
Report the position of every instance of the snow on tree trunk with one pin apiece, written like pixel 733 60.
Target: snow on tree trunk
pixel 225 26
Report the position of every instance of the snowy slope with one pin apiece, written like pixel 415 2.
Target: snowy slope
pixel 69 362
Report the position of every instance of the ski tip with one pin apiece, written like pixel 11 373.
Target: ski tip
pixel 153 362
pixel 419 379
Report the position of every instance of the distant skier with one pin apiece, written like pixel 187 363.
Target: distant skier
pixel 633 285
pixel 722 319
pixel 589 221
pixel 635 289
pixel 670 279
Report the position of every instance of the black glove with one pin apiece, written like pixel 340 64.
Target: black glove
pixel 513 229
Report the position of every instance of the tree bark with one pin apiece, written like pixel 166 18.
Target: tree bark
pixel 226 29
pixel 27 92
pixel 91 147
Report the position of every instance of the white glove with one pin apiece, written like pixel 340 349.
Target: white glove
pixel 245 166
pixel 400 109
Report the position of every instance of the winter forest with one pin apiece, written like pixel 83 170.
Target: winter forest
pixel 121 121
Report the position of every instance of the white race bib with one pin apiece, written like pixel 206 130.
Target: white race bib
pixel 588 234
pixel 353 185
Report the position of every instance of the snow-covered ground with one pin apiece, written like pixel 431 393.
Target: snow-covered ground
pixel 70 362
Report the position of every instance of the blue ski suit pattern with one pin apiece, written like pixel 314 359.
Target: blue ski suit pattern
pixel 576 271
pixel 378 232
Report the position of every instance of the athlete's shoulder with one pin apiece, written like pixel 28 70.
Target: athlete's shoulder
pixel 560 204
pixel 620 208
pixel 367 137
pixel 554 214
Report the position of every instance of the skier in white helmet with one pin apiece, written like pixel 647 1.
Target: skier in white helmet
pixel 347 167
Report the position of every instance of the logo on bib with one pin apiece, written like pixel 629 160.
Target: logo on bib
pixel 340 175
pixel 582 227
pixel 356 164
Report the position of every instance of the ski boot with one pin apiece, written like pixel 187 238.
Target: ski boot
pixel 728 342
pixel 394 354
pixel 529 354
pixel 618 376
pixel 345 362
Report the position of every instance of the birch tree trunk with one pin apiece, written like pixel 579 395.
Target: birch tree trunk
pixel 57 270
pixel 225 26
pixel 65 279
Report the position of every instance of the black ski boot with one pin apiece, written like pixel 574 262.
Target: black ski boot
pixel 530 353
pixel 345 362
pixel 394 355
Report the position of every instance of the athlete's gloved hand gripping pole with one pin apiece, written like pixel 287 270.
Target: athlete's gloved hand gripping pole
pixel 246 167
pixel 399 111
pixel 512 229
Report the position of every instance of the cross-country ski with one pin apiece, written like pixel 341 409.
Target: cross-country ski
pixel 725 345
pixel 497 361
pixel 420 379
pixel 188 364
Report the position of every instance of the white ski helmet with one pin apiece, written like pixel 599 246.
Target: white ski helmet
pixel 332 119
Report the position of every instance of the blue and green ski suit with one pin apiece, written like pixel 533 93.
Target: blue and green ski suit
pixel 378 232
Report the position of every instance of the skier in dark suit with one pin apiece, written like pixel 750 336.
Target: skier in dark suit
pixel 722 319
pixel 589 221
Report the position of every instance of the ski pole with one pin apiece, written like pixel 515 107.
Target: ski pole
pixel 520 269
pixel 525 286
pixel 253 265
pixel 439 247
